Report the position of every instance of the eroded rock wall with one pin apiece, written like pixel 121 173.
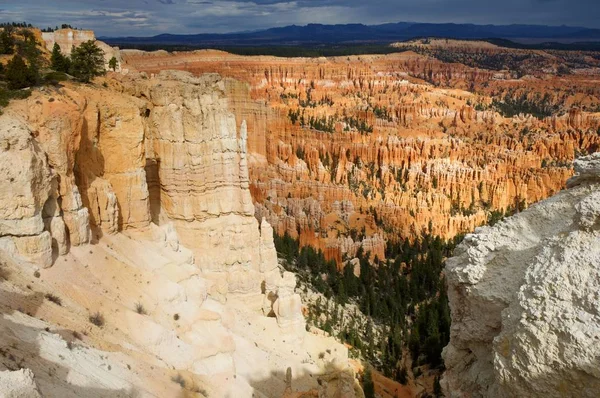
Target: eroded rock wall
pixel 93 153
pixel 134 197
pixel 439 159
pixel 524 299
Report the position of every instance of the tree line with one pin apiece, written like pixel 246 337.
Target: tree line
pixel 27 67
pixel 403 296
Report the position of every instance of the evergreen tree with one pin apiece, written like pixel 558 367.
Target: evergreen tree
pixel 18 75
pixel 87 61
pixel 60 63
pixel 368 385
pixel 113 63
pixel 7 41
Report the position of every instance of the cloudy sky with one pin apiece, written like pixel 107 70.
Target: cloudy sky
pixel 150 17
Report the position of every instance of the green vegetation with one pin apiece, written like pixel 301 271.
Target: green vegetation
pixel 23 69
pixel 63 26
pixel 113 63
pixel 353 122
pixel 7 41
pixel 323 123
pixel 368 385
pixel 87 61
pixel 539 107
pixel 404 298
pixel 53 298
pixel 59 62
pixel 178 380
pixel 18 75
pixel 97 319
pixel 382 112
pixel 139 308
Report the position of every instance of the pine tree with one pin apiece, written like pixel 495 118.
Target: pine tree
pixel 368 385
pixel 7 41
pixel 87 61
pixel 113 63
pixel 18 75
pixel 60 63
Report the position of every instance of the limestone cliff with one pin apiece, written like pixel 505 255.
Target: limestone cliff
pixel 524 299
pixel 131 200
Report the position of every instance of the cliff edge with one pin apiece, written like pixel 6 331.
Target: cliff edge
pixel 525 299
pixel 131 262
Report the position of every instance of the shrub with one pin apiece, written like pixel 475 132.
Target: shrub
pixel 18 74
pixel 139 308
pixel 113 63
pixel 368 385
pixel 55 77
pixel 179 380
pixel 53 298
pixel 7 41
pixel 97 319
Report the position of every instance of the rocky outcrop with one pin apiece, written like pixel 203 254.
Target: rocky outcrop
pixel 69 38
pixel 524 299
pixel 27 183
pixel 153 174
pixel 18 384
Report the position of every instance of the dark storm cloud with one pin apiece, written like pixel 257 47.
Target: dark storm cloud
pixel 149 17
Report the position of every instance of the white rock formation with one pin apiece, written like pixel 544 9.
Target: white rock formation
pixel 18 384
pixel 525 300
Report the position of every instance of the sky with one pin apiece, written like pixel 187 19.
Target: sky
pixel 150 17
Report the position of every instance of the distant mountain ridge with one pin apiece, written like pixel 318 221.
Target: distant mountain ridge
pixel 365 34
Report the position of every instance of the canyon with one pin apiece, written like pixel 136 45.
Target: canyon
pixel 140 214
pixel 349 152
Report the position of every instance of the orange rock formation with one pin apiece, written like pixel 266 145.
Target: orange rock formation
pixel 351 151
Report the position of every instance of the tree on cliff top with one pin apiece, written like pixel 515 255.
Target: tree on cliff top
pixel 113 63
pixel 18 74
pixel 87 61
pixel 7 41
pixel 60 63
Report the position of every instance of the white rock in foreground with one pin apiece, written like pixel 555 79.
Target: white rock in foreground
pixel 18 384
pixel 525 300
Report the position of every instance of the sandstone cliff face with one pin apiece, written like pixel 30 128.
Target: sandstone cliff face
pixel 524 299
pixel 139 192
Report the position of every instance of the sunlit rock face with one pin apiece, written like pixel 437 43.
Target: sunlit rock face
pixel 524 299
pixel 130 198
pixel 165 150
